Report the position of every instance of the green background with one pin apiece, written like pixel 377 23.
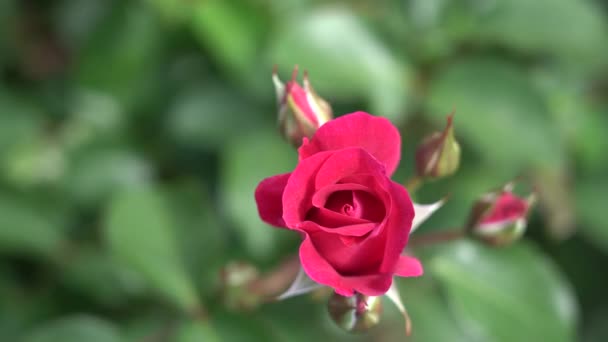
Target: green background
pixel 133 133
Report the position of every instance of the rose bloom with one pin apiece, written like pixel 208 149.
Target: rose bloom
pixel 354 220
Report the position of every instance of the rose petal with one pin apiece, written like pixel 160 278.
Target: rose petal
pixel 368 206
pixel 300 188
pixel 268 196
pixel 319 270
pixel 322 272
pixel 345 163
pixel 398 225
pixel 371 285
pixel 408 266
pixel 320 197
pixel 359 229
pixel 331 219
pixel 351 257
pixel 374 134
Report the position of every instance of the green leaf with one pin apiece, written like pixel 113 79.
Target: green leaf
pixel 574 29
pixel 121 56
pixel 498 113
pixel 344 60
pixel 98 174
pixel 140 232
pixel 204 116
pixel 591 198
pixel 427 310
pixel 24 229
pixel 95 117
pixel 232 32
pixel 508 294
pixel 20 122
pixel 597 327
pixel 248 159
pixel 38 161
pixel 97 277
pixel 76 328
pixel 235 328
pixel 196 332
pixel 201 237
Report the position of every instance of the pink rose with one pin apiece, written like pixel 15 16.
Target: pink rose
pixel 354 220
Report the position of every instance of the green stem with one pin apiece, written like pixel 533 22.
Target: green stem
pixel 438 237
pixel 413 184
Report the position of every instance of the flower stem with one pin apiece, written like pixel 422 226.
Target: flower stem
pixel 438 237
pixel 413 183
pixel 277 280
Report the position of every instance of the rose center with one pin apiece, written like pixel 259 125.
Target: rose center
pixel 348 209
pixel 356 203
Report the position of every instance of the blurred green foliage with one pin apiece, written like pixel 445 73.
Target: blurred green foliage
pixel 133 133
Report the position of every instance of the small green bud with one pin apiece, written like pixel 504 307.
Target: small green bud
pixel 439 153
pixel 357 313
pixel 235 280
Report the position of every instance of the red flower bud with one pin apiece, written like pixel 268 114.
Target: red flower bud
pixel 499 218
pixel 301 110
pixel 439 153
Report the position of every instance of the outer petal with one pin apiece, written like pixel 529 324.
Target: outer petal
pixel 347 163
pixel 319 270
pixel 300 188
pixel 268 196
pixel 376 135
pixel 408 266
pixel 398 226
pixel 372 285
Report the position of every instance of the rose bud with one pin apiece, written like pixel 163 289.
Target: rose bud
pixel 499 218
pixel 439 153
pixel 301 110
pixel 357 313
pixel 235 280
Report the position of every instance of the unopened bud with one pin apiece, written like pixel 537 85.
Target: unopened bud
pixel 500 218
pixel 236 278
pixel 357 313
pixel 301 110
pixel 439 153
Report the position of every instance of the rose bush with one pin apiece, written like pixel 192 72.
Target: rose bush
pixel 354 220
